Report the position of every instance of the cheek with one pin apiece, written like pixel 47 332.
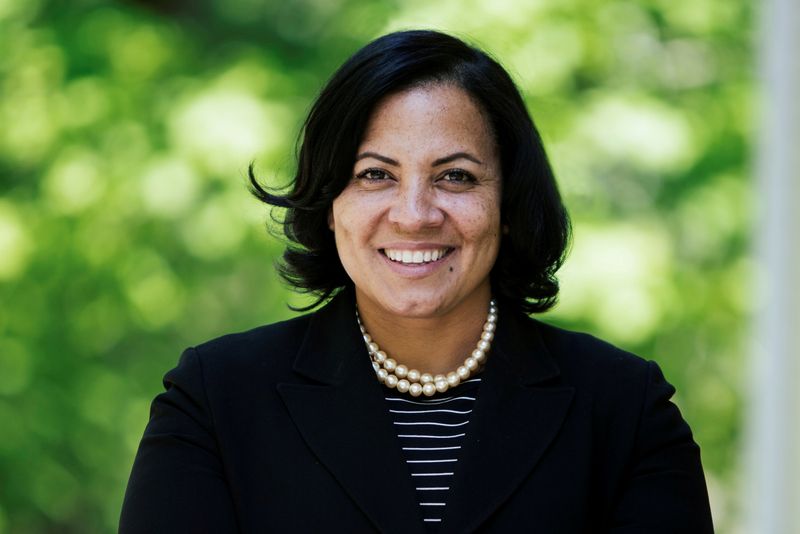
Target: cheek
pixel 482 222
pixel 349 218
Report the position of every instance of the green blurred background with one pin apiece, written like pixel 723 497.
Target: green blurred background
pixel 127 233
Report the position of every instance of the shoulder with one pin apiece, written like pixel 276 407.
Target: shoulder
pixel 270 348
pixel 611 376
pixel 578 354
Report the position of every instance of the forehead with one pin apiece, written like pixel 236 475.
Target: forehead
pixel 433 117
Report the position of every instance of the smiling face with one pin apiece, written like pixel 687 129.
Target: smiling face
pixel 418 226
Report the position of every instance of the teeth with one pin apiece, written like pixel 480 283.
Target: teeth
pixel 415 256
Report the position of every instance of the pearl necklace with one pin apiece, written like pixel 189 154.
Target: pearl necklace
pixel 399 376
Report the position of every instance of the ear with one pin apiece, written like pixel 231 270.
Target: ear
pixel 505 229
pixel 330 220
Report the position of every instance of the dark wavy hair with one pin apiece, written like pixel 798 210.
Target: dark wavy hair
pixel 538 227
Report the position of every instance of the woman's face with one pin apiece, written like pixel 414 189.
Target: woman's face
pixel 418 226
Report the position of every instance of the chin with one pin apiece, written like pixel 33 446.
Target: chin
pixel 407 305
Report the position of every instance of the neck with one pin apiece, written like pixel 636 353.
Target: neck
pixel 435 345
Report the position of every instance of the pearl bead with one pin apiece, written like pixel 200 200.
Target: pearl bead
pixel 441 384
pixel 412 381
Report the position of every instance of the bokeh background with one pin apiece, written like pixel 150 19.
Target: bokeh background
pixel 127 232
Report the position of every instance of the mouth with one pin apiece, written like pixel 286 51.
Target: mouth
pixel 416 257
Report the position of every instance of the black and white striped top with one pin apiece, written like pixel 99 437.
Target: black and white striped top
pixel 431 431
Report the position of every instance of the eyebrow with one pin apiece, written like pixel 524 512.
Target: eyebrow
pixel 455 156
pixel 436 163
pixel 377 156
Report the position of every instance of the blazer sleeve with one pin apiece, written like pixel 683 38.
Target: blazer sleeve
pixel 664 490
pixel 178 483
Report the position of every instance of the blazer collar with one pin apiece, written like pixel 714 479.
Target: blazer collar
pixel 345 422
pixel 333 333
pixel 520 408
pixel 333 345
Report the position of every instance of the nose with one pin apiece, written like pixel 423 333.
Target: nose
pixel 415 208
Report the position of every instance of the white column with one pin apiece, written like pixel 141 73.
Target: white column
pixel 772 483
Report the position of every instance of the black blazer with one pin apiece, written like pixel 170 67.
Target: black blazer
pixel 284 429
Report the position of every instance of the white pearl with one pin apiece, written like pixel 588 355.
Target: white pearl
pixel 452 379
pixel 411 380
pixel 441 384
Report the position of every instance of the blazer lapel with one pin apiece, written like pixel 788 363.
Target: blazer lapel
pixel 344 420
pixel 515 419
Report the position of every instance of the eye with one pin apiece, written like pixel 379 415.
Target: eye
pixel 373 175
pixel 458 176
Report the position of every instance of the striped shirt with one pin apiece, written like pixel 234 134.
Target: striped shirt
pixel 431 431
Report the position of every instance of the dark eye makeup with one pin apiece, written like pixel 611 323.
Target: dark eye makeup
pixel 372 175
pixel 453 176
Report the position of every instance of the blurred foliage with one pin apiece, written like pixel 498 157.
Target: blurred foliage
pixel 127 233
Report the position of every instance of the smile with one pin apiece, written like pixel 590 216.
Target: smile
pixel 416 256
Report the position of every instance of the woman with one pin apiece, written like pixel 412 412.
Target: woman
pixel 421 398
